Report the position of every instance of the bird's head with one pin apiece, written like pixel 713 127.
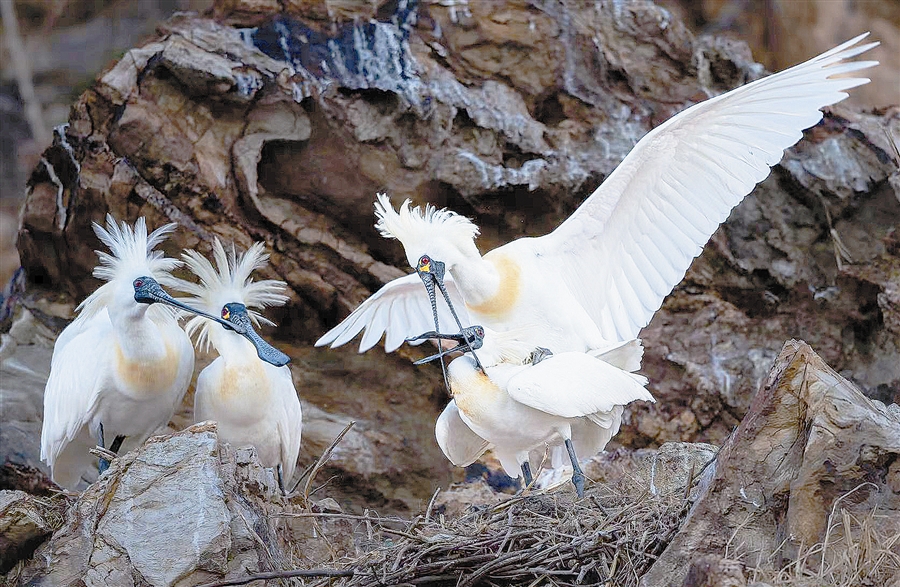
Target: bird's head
pixel 236 317
pixel 148 291
pixel 493 347
pixel 426 265
pixel 433 233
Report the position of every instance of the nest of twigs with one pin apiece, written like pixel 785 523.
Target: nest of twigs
pixel 549 538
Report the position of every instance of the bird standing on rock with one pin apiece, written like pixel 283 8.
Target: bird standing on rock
pixel 602 274
pixel 121 368
pixel 525 400
pixel 248 391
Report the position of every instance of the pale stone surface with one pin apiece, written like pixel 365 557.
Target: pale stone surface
pixel 181 510
pixel 810 443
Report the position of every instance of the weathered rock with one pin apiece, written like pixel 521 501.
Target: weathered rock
pixel 284 130
pixel 180 510
pixel 811 444
pixel 710 570
pixel 25 522
pixel 25 353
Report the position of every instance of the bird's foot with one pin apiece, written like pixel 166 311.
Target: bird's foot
pixel 104 455
pixel 577 473
pixel 538 355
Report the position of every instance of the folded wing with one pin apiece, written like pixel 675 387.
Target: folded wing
pixel 572 385
pixel 460 444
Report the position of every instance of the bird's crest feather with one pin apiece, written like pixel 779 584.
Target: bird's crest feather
pixel 131 256
pixel 413 225
pixel 229 281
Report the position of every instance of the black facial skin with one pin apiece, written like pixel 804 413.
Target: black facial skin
pixel 235 316
pixel 148 291
pixel 469 338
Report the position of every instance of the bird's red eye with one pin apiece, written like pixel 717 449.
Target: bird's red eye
pixel 479 331
pixel 425 260
pixel 225 313
pixel 138 283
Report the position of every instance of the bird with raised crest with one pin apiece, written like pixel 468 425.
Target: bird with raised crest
pixel 602 274
pixel 525 400
pixel 122 367
pixel 248 391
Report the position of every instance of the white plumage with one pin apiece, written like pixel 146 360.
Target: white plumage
pixel 255 403
pixel 517 409
pixel 602 273
pixel 123 364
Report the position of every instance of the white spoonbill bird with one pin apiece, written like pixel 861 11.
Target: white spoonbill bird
pixel 121 368
pixel 251 397
pixel 602 274
pixel 523 401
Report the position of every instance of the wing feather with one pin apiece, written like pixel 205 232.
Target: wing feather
pixel 290 425
pixel 399 310
pixel 71 395
pixel 643 226
pixel 572 385
pixel 458 442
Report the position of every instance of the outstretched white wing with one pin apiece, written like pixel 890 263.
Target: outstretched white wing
pixel 634 238
pixel 572 385
pixel 460 444
pixel 399 310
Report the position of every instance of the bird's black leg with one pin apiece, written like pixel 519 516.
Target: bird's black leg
pixel 577 473
pixel 280 473
pixel 104 464
pixel 526 473
pixel 117 444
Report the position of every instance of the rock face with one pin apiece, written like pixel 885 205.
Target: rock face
pixel 811 460
pixel 180 510
pixel 811 450
pixel 258 124
pixel 25 522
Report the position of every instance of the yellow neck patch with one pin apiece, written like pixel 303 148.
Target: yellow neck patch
pixel 509 291
pixel 147 377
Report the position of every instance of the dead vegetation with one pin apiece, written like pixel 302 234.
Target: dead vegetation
pixel 609 537
pixel 858 551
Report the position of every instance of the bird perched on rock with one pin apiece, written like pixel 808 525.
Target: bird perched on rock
pixel 121 368
pixel 601 274
pixel 248 391
pixel 524 400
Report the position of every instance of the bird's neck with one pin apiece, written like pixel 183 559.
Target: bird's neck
pixel 139 338
pixel 478 280
pixel 491 286
pixel 232 347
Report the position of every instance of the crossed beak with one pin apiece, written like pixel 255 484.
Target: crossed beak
pixel 148 291
pixel 469 339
